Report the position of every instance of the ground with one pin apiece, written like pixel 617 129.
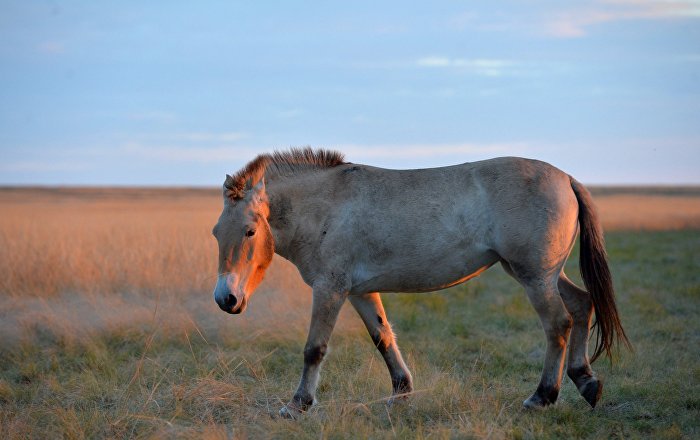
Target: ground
pixel 109 329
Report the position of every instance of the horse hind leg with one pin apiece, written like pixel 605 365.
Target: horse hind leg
pixel 578 303
pixel 556 321
pixel 371 310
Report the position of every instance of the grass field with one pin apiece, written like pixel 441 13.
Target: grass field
pixel 108 329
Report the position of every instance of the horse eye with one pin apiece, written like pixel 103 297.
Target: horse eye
pixel 250 233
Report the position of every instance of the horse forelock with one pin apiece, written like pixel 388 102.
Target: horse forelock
pixel 283 163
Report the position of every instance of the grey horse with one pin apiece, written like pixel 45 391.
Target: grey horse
pixel 354 231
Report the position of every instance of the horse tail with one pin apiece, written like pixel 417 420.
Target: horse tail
pixel 596 275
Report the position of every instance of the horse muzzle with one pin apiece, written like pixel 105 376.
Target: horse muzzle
pixel 227 301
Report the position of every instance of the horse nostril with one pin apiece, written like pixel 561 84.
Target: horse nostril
pixel 231 301
pixel 227 303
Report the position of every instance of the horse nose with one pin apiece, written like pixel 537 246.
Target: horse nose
pixel 228 304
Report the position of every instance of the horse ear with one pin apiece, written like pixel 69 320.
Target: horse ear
pixel 231 189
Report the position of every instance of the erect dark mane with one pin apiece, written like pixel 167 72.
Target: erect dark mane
pixel 285 163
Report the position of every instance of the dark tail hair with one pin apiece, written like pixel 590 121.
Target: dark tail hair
pixel 596 275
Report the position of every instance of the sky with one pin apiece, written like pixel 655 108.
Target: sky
pixel 181 93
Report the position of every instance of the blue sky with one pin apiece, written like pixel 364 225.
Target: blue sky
pixel 180 93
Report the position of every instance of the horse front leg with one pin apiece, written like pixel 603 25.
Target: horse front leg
pixel 328 298
pixel 370 308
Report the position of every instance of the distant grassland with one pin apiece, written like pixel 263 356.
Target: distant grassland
pixel 108 329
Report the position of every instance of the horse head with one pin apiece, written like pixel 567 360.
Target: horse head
pixel 246 245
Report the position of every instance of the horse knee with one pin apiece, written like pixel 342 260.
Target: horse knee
pixel 313 354
pixel 382 337
pixel 566 322
pixel 559 329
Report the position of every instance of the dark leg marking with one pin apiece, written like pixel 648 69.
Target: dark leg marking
pixel 380 343
pixel 314 355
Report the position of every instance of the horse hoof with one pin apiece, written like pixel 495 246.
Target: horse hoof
pixel 592 392
pixel 534 402
pixel 290 412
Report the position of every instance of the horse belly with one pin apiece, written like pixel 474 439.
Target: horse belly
pixel 427 277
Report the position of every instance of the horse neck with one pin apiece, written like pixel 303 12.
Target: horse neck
pixel 287 197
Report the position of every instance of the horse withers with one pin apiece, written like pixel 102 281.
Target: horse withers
pixel 354 231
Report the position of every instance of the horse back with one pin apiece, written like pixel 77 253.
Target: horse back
pixel 415 230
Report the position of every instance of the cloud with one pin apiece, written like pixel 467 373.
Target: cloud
pixel 657 8
pixel 434 61
pixel 577 19
pixel 576 22
pixel 478 66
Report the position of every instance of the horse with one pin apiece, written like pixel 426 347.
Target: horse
pixel 354 231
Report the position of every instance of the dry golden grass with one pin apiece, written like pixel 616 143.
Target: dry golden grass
pixel 654 211
pixel 629 212
pixel 109 329
pixel 82 260
pixel 101 242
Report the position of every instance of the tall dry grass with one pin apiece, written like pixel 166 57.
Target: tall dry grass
pixel 65 243
pixel 649 212
pixel 74 262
